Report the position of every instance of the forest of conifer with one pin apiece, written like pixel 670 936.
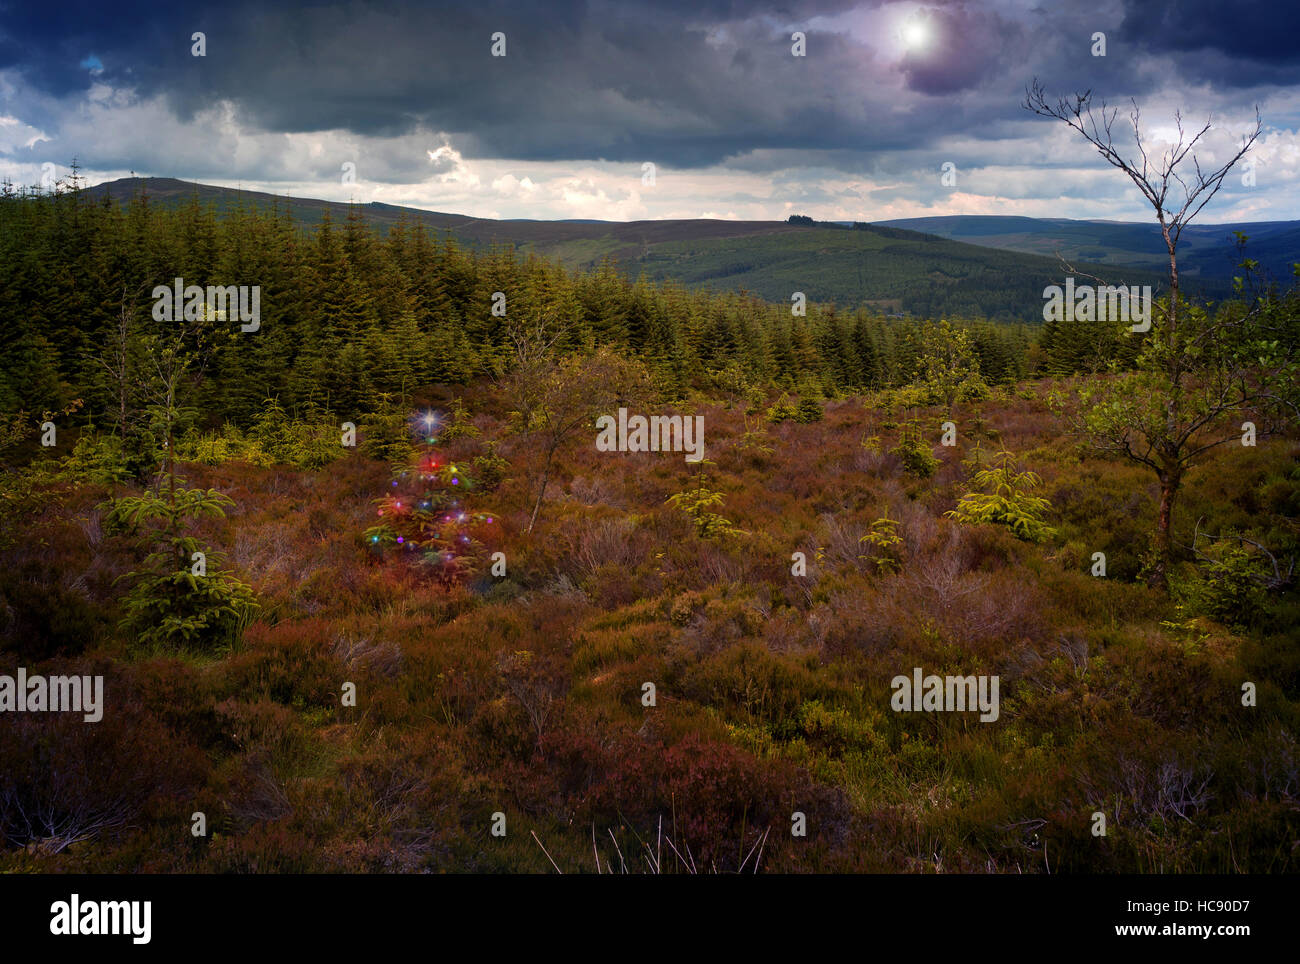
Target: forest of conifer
pixel 368 595
pixel 350 317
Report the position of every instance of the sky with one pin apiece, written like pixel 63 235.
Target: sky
pixel 405 103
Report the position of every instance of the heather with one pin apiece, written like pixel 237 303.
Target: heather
pixel 498 653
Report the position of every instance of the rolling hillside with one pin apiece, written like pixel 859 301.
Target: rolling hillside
pixel 897 270
pixel 1205 250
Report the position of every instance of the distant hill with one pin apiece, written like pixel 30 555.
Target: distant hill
pixel 910 268
pixel 1205 250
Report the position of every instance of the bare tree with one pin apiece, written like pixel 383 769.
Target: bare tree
pixel 553 397
pixel 1154 178
pixel 65 782
pixel 536 683
pixel 1198 372
pixel 115 359
pixel 171 361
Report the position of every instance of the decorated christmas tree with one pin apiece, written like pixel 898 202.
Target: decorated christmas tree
pixel 427 515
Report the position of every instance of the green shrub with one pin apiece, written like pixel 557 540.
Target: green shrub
pixel 274 435
pixel 211 448
pixel 1228 588
pixel 318 444
pixel 886 542
pixel 460 426
pixel 782 410
pixel 386 435
pixel 142 451
pixel 179 597
pixel 490 469
pixel 696 503
pixel 917 457
pixel 1001 497
pixel 97 459
pixel 809 410
pixel 274 439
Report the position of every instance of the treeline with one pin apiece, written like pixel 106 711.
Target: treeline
pixel 348 317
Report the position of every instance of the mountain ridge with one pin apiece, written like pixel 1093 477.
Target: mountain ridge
pixel 886 265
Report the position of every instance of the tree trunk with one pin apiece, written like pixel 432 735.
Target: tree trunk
pixel 1173 287
pixel 1162 543
pixel 1170 479
pixel 541 492
pixel 171 467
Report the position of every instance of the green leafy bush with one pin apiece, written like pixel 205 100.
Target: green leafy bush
pixel 697 501
pixel 386 435
pixel 886 544
pixel 809 410
pixel 97 459
pixel 490 469
pixel 1001 497
pixel 178 597
pixel 917 457
pixel 274 439
pixel 274 435
pixel 782 410
pixel 460 425
pixel 1228 588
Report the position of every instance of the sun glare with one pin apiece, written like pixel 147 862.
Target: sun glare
pixel 915 35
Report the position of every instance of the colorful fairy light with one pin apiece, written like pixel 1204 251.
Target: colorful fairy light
pixel 434 526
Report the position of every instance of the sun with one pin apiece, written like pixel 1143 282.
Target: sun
pixel 916 35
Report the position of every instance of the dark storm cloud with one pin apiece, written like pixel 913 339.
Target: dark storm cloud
pixel 580 80
pixel 47 44
pixel 1256 31
pixel 964 47
pixel 684 83
pixel 1251 44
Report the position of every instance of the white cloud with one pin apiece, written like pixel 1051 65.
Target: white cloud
pixel 1031 167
